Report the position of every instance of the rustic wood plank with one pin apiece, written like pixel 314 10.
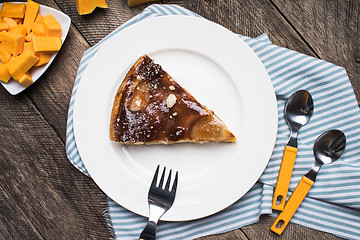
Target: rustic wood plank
pixel 249 18
pixel 56 198
pixel 236 234
pixel 81 208
pixel 41 176
pixel 13 222
pixel 331 28
pixel 262 230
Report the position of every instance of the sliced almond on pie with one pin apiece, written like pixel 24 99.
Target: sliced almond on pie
pixel 152 108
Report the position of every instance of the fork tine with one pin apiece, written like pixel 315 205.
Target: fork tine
pixel 161 183
pixel 173 189
pixel 167 186
pixel 153 183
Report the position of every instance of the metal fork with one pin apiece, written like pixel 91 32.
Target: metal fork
pixel 160 200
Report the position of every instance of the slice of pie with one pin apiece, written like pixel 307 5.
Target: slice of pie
pixel 152 108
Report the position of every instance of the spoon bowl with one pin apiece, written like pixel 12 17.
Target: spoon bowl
pixel 329 146
pixel 298 109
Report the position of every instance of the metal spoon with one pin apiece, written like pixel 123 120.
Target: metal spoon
pixel 328 148
pixel 298 110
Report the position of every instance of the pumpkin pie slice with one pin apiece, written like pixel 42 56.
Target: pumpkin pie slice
pixel 150 107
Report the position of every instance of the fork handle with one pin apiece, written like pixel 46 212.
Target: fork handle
pixel 149 232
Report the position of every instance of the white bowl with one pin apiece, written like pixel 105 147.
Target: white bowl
pixel 14 87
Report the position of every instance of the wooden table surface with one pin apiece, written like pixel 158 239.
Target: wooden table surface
pixel 42 196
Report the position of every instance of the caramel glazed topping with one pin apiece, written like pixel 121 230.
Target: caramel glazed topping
pixel 154 108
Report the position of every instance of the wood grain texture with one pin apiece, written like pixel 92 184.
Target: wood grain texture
pixel 331 28
pixel 55 197
pixel 261 230
pixel 249 18
pixel 52 196
pixel 13 222
pixel 236 234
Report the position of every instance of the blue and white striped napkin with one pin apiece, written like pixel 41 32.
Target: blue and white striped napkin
pixel 332 205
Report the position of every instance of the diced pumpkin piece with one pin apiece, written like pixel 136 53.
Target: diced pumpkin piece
pixel 29 36
pixel 21 64
pixel 50 19
pixel 13 42
pixel 13 10
pixel 4 72
pixel 52 26
pixel 19 29
pixel 53 30
pixel 44 58
pixel 40 19
pixel 4 26
pixel 88 6
pixel 25 80
pixel 32 9
pixel 11 22
pixel 4 54
pixel 12 58
pixel 85 6
pixel 38 29
pixel 28 46
pixel 46 44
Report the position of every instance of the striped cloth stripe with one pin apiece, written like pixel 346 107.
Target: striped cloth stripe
pixel 332 205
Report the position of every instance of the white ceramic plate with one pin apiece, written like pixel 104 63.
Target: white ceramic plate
pixel 216 67
pixel 14 87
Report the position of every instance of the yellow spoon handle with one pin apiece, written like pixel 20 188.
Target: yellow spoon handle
pixel 283 181
pixel 292 205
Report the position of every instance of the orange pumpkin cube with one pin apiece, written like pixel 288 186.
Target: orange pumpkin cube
pixel 4 72
pixel 52 26
pixel 11 22
pixel 13 42
pixel 21 64
pixel 29 47
pixel 4 26
pixel 26 79
pixel 31 12
pixel 40 19
pixel 44 58
pixel 38 29
pixel 19 29
pixel 29 36
pixel 4 54
pixel 13 10
pixel 46 44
